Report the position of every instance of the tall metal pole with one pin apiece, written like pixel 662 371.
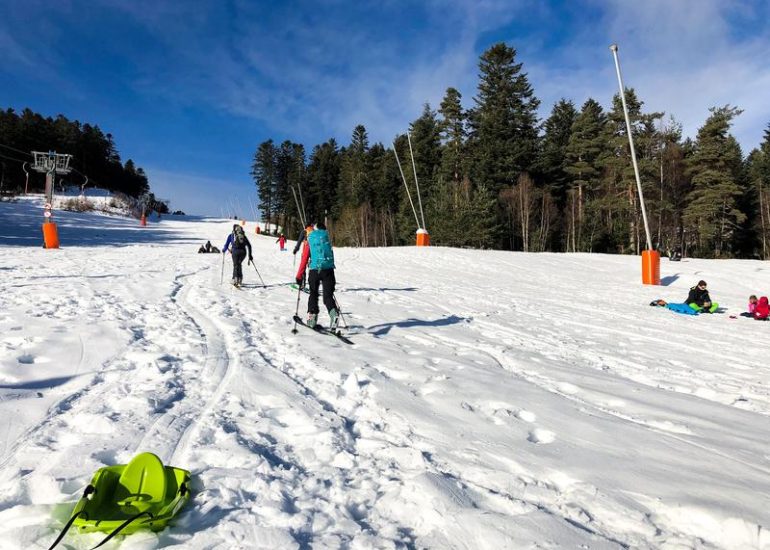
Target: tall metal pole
pixel 614 49
pixel 26 175
pixel 417 185
pixel 302 202
pixel 408 194
pixel 49 183
pixel 299 210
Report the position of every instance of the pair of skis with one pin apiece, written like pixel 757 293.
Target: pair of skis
pixel 323 330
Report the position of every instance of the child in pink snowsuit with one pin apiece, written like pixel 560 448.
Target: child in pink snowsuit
pixel 282 242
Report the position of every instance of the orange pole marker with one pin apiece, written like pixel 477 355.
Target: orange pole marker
pixel 143 221
pixel 50 235
pixel 423 238
pixel 650 267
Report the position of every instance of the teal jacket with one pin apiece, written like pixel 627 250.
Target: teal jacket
pixel 321 254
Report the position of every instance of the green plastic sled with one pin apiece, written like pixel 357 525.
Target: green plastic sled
pixel 143 494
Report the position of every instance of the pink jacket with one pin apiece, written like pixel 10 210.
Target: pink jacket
pixel 752 307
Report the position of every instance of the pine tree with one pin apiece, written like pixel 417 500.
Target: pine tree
pixel 552 158
pixel 586 144
pixel 426 146
pixel 323 176
pixel 758 170
pixel 453 134
pixel 618 207
pixel 263 170
pixel 674 187
pixel 503 124
pixel 713 213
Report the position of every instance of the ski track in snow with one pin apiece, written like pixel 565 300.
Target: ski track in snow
pixel 491 400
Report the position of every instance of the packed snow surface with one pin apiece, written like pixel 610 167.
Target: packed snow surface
pixel 490 399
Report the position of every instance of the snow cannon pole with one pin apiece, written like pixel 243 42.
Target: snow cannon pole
pixel 258 275
pixel 423 237
pixel 650 257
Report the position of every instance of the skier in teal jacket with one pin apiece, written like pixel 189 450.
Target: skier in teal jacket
pixel 321 273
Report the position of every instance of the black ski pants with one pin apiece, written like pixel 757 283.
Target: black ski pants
pixel 238 256
pixel 316 278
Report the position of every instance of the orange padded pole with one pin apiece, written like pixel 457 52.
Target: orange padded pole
pixel 650 267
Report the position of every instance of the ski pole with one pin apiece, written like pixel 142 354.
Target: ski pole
pixel 258 275
pixel 339 309
pixel 222 277
pixel 296 311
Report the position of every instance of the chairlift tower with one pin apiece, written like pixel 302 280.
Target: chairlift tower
pixel 50 164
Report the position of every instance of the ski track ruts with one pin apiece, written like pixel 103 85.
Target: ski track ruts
pixel 350 476
pixel 365 444
pixel 135 385
pixel 379 438
pixel 203 382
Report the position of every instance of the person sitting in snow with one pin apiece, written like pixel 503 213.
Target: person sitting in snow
pixel 762 310
pixel 699 300
pixel 676 308
pixel 751 307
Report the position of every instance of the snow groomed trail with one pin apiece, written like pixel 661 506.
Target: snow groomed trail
pixel 491 399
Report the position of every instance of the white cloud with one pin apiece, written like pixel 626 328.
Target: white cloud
pixel 682 57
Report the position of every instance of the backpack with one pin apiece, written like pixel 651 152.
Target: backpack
pixel 321 254
pixel 762 311
pixel 239 238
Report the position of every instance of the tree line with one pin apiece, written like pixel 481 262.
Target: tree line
pixel 495 176
pixel 94 154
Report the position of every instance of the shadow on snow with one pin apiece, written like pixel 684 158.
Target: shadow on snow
pixel 380 330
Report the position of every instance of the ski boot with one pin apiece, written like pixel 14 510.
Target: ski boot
pixel 333 319
pixel 312 320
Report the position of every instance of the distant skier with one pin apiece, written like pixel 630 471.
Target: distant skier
pixel 300 277
pixel 321 272
pixel 699 300
pixel 282 242
pixel 240 245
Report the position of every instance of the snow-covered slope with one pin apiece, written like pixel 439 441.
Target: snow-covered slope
pixel 491 399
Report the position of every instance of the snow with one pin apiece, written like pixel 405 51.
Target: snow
pixel 491 399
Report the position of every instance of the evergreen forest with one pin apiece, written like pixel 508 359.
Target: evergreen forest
pixel 496 176
pixel 95 161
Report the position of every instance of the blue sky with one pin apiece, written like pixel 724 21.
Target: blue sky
pixel 190 88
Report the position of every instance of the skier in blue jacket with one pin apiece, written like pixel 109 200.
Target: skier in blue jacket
pixel 240 244
pixel 321 273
